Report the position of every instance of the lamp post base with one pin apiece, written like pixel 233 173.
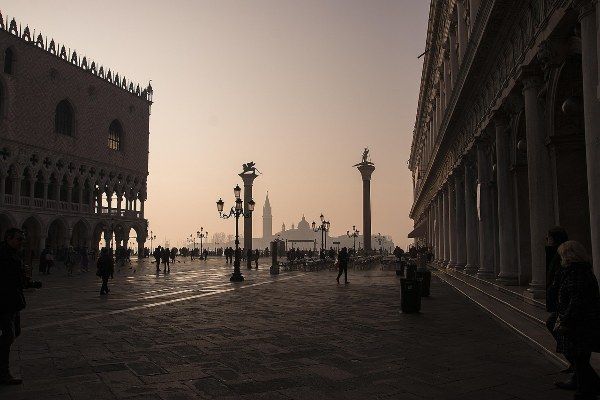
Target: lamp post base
pixel 236 277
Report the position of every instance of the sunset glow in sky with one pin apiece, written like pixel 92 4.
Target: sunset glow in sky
pixel 298 86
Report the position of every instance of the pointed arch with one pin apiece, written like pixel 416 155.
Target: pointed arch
pixel 64 118
pixel 115 135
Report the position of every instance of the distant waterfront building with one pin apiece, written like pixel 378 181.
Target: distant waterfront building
pixel 73 146
pixel 505 144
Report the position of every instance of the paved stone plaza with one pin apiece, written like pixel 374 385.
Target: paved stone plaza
pixel 192 334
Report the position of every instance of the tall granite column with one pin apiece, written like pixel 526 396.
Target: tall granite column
pixel 473 9
pixel 590 40
pixel 507 232
pixel 486 204
pixel 248 178
pixel 460 241
pixel 452 222
pixel 540 188
pixel 366 170
pixel 471 232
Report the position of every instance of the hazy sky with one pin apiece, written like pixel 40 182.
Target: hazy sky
pixel 299 87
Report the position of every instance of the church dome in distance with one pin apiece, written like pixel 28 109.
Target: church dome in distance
pixel 303 225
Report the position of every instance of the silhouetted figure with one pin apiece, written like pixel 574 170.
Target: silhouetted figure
pixel 105 269
pixel 554 274
pixel 577 328
pixel 70 260
pixel 12 299
pixel 205 252
pixel 256 257
pixel 157 256
pixel 343 265
pixel 84 260
pixel 173 254
pixel 166 254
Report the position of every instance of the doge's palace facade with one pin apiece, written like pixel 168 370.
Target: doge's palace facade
pixel 507 137
pixel 73 145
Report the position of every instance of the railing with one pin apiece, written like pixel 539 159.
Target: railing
pixel 29 202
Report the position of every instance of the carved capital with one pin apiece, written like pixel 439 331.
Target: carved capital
pixel 530 77
pixel 584 7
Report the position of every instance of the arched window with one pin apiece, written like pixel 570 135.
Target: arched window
pixel 63 118
pixel 115 133
pixel 8 61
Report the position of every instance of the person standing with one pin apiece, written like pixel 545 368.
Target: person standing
pixel 166 254
pixel 256 257
pixel 12 299
pixel 343 265
pixel 106 267
pixel 157 256
pixel 577 327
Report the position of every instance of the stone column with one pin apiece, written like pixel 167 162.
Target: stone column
pixel 141 241
pixel 80 194
pixel 109 202
pixel 590 40
pixel 248 179
pixel 2 186
pixel 462 30
pixel 18 179
pixel 452 222
pixel 473 9
pixel 486 215
pixel 507 233
pixel 440 211
pixel 366 170
pixel 119 202
pixel 45 192
pixel 69 191
pixel 453 49
pixel 471 234
pixel 447 75
pixel 142 201
pixel 31 190
pixel 461 240
pixel 540 188
pixel 446 229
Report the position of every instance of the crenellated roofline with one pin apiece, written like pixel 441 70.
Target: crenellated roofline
pixel 71 57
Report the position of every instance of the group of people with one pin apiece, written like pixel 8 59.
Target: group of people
pixel 165 255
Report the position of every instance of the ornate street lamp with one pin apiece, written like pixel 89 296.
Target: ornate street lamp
pixel 201 235
pixel 354 235
pixel 152 238
pixel 324 228
pixel 236 211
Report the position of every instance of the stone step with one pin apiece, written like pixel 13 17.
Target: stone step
pixel 520 318
pixel 520 313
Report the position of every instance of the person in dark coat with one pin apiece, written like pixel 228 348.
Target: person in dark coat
pixel 256 257
pixel 157 256
pixel 556 236
pixel 343 265
pixel 106 268
pixel 166 255
pixel 577 328
pixel 12 299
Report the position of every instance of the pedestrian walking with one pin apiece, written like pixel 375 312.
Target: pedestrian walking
pixel 12 299
pixel 256 257
pixel 343 265
pixel 166 254
pixel 577 328
pixel 105 269
pixel 157 256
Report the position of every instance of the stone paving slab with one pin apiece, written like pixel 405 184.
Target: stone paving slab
pixel 193 335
